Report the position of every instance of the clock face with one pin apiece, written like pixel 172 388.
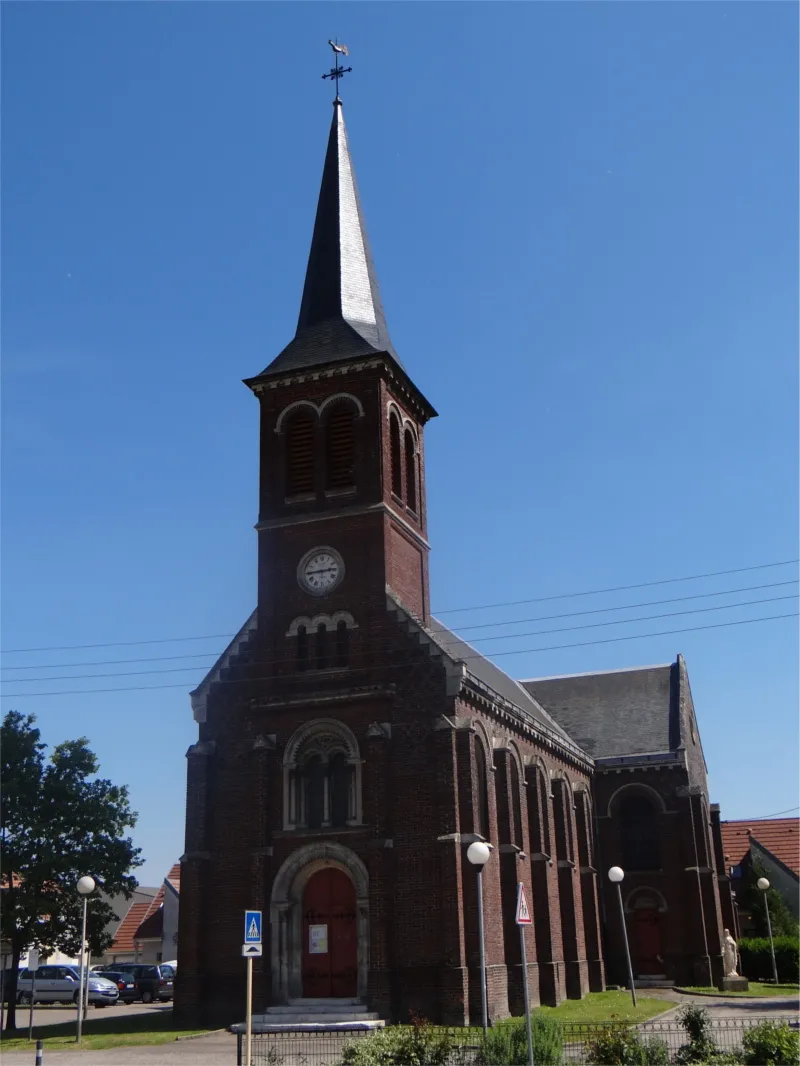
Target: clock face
pixel 320 571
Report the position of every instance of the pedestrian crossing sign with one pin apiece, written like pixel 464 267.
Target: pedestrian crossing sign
pixel 252 927
pixel 523 914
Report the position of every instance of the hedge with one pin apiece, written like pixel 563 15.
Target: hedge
pixel 757 958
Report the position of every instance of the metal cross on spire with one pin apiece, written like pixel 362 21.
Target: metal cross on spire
pixel 337 71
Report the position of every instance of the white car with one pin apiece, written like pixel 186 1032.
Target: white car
pixel 59 984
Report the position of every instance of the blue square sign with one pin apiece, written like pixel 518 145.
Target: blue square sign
pixel 252 927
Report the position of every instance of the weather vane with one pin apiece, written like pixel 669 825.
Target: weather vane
pixel 337 71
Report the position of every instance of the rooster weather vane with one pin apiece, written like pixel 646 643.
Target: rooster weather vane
pixel 337 71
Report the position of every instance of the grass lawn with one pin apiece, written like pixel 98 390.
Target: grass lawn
pixel 102 1033
pixel 762 991
pixel 607 1006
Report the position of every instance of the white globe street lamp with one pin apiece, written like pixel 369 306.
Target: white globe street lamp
pixel 763 885
pixel 616 875
pixel 85 887
pixel 479 854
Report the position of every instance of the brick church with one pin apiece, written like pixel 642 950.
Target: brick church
pixel 350 747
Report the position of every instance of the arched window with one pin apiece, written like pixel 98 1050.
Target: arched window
pixel 313 778
pixel 321 647
pixel 516 808
pixel 322 777
pixel 396 458
pixel 482 789
pixel 341 779
pixel 411 471
pixel 300 434
pixel 639 833
pixel 562 811
pixel 340 448
pixel 342 643
pixel 302 648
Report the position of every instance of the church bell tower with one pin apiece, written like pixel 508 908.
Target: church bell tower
pixel 342 511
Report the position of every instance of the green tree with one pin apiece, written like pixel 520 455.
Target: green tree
pixel 751 899
pixel 58 821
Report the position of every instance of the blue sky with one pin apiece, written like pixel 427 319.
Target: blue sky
pixel 585 225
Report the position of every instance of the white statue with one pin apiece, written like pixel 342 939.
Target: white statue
pixel 729 954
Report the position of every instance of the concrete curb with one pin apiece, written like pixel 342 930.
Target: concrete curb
pixel 200 1036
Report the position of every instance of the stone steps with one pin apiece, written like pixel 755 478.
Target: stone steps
pixel 315 1015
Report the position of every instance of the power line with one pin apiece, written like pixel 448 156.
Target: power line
pixel 463 629
pixel 380 645
pixel 619 588
pixel 627 606
pixel 454 610
pixel 410 662
pixel 761 817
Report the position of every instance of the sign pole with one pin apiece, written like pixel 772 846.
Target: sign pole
pixel 525 993
pixel 252 948
pixel 523 918
pixel 249 1022
pixel 33 967
pixel 33 1000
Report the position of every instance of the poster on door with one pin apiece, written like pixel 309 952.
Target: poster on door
pixel 318 940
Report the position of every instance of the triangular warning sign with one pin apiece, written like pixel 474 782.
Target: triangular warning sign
pixel 523 914
pixel 253 932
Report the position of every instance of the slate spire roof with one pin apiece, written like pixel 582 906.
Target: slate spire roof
pixel 341 315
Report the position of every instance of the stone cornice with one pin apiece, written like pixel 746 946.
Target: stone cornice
pixel 317 699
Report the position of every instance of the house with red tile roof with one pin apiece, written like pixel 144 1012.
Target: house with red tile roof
pixel 148 931
pixel 772 842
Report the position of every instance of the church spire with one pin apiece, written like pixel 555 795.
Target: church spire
pixel 341 315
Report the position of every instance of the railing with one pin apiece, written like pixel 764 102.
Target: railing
pixel 291 1048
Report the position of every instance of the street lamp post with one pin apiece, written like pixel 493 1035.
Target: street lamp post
pixel 478 854
pixel 616 875
pixel 763 884
pixel 85 888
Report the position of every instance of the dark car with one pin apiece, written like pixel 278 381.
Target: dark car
pixel 126 983
pixel 152 981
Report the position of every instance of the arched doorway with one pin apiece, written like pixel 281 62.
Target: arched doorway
pixel 330 942
pixel 289 930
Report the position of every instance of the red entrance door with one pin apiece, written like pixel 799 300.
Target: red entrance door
pixel 647 941
pixel 330 949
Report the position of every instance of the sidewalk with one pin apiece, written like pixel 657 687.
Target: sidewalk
pixel 217 1048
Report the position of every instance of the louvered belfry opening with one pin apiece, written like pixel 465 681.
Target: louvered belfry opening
pixel 300 448
pixel 394 444
pixel 411 471
pixel 340 449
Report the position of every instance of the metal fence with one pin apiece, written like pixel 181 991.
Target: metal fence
pixel 291 1048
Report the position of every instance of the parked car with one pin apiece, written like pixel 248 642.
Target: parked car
pixel 153 981
pixel 126 983
pixel 60 984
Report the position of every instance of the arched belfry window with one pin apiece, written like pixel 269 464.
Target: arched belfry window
pixel 638 825
pixel 300 453
pixel 322 642
pixel 411 470
pixel 396 458
pixel 322 777
pixel 482 791
pixel 340 448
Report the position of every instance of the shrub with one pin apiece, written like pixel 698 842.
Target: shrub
pixel 770 1043
pixel 701 1047
pixel 506 1044
pixel 419 1044
pixel 621 1045
pixel 757 958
